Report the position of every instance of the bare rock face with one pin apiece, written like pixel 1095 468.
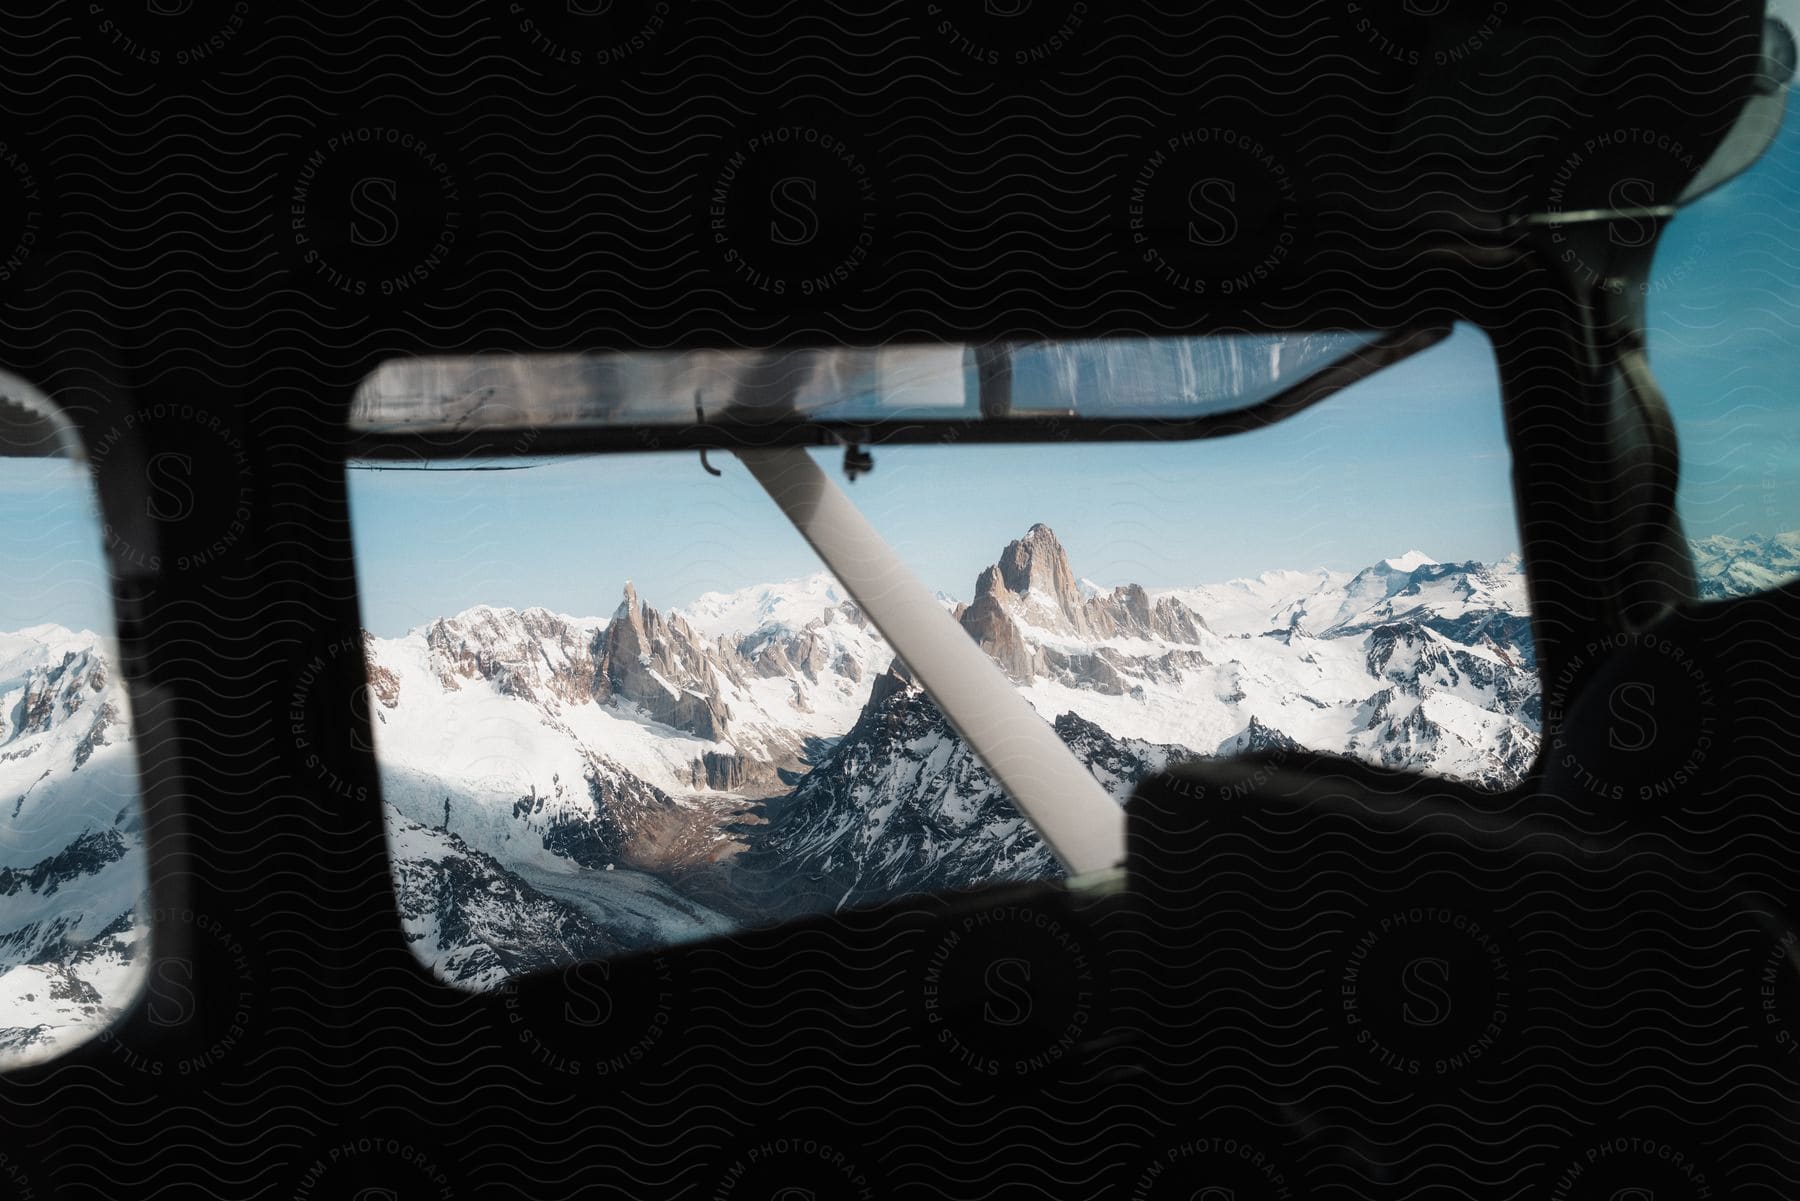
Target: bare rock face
pixel 1036 568
pixel 103 731
pixel 1033 588
pixel 771 662
pixel 992 621
pixel 895 679
pixel 660 665
pixel 382 681
pixel 735 773
pixel 1128 612
pixel 38 707
pixel 811 655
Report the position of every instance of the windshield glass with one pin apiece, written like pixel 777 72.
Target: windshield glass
pixel 1107 378
pixel 74 934
pixel 1723 305
pixel 618 703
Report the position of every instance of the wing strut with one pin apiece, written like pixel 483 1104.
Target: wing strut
pixel 1082 824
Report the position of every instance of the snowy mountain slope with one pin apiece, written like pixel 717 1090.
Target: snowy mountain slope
pixel 71 848
pixel 594 762
pixel 1408 662
pixel 71 992
pixel 679 710
pixel 1323 602
pixel 1252 606
pixel 902 805
pixel 789 605
pixel 475 923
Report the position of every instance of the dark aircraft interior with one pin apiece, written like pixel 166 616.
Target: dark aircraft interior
pixel 346 350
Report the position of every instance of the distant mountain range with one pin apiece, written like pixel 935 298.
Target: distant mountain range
pixel 560 788
pixel 1741 566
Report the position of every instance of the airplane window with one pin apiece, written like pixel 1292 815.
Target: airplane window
pixel 1723 305
pixel 617 702
pixel 73 934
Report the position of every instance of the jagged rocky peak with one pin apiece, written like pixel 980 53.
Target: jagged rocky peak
pixel 897 678
pixel 50 683
pixel 1032 585
pixel 1258 737
pixel 679 650
pixel 990 622
pixel 533 654
pixel 1033 588
pixel 661 665
pixel 1036 568
pixel 1129 612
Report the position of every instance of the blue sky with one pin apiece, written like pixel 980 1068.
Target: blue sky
pixel 1412 458
pixel 1724 340
pixel 50 548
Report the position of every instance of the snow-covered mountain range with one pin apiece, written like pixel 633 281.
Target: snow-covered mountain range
pixel 1740 566
pixel 71 848
pixel 561 788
